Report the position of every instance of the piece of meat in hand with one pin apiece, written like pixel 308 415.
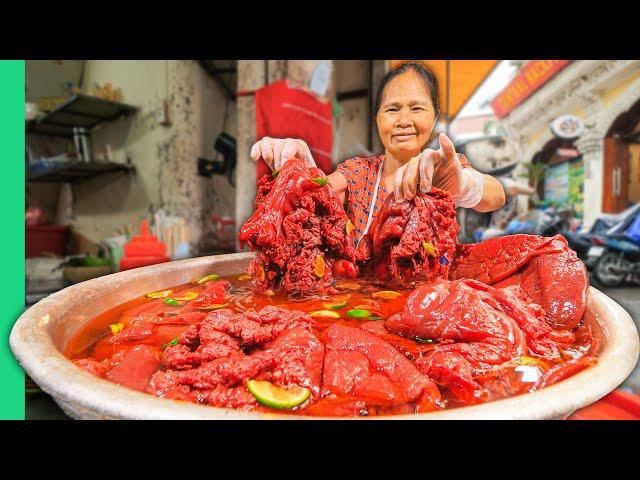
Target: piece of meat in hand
pixel 414 240
pixel 300 230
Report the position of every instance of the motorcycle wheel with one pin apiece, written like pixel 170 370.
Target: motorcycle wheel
pixel 603 270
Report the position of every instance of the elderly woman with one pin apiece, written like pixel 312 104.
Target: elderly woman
pixel 407 109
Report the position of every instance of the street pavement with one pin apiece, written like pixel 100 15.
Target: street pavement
pixel 629 299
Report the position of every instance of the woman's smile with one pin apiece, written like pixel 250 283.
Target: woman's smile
pixel 404 137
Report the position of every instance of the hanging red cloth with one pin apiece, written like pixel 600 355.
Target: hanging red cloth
pixel 284 112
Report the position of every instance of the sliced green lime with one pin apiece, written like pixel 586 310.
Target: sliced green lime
pixel 207 278
pixel 321 181
pixel 162 294
pixel 325 313
pixel 335 305
pixel 386 294
pixel 214 306
pixel 276 397
pixel 359 313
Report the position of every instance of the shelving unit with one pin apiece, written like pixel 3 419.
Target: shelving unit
pixel 79 111
pixel 75 172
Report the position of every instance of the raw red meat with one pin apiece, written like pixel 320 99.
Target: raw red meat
pixel 547 270
pixel 214 293
pixel 413 240
pixel 299 229
pixel 215 358
pixel 488 327
pixel 135 368
pixel 359 363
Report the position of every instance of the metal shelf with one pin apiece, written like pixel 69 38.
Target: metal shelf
pixel 79 111
pixel 74 172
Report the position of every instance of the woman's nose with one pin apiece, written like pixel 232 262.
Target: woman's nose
pixel 404 120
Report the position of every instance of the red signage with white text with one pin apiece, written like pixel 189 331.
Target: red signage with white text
pixel 531 77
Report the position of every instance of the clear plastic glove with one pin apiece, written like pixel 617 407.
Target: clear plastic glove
pixel 276 151
pixel 442 169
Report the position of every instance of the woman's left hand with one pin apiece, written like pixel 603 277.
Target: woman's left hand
pixel 442 169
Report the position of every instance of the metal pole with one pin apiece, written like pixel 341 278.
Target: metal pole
pixel 448 88
pixel 370 106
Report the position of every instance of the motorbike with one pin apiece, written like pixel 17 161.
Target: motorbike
pixel 546 222
pixel 614 256
pixel 580 241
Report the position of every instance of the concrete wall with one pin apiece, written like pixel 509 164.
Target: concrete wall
pixel 47 78
pixel 165 157
pixel 352 127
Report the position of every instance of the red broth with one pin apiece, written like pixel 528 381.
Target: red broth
pixel 506 380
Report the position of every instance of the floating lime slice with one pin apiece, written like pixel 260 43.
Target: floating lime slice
pixel 214 306
pixel 276 397
pixel 162 294
pixel 325 313
pixel 359 313
pixel 207 278
pixel 186 296
pixel 386 294
pixel 335 305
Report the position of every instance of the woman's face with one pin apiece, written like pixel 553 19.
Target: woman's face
pixel 406 116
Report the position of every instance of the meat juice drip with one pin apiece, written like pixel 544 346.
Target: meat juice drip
pixel 94 341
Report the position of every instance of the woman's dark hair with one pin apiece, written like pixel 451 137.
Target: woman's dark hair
pixel 423 72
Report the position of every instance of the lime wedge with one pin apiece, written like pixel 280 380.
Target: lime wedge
pixel 325 313
pixel 214 306
pixel 207 278
pixel 335 305
pixel 162 294
pixel 186 296
pixel 320 181
pixel 386 294
pixel 276 397
pixel 359 313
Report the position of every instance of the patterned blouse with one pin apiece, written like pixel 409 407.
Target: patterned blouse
pixel 361 174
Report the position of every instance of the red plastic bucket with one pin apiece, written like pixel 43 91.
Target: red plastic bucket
pixel 42 239
pixel 618 405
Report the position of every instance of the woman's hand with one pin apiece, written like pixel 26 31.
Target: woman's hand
pixel 442 169
pixel 276 151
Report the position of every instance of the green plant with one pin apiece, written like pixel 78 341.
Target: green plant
pixel 535 172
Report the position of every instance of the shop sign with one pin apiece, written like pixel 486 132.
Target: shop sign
pixel 567 152
pixel 531 77
pixel 567 126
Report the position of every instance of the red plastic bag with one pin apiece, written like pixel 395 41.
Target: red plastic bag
pixel 283 112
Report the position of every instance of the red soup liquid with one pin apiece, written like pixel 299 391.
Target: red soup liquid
pixel 158 323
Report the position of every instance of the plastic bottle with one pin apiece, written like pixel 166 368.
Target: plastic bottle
pixel 144 249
